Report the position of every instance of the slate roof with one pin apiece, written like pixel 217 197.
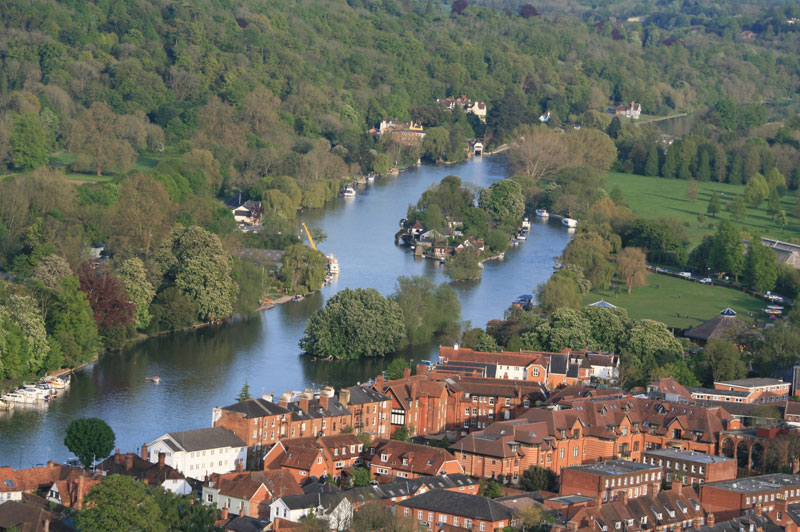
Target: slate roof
pixel 26 517
pixel 312 500
pixel 721 326
pixel 140 469
pixel 757 484
pixel 739 524
pixel 360 395
pixel 687 456
pixel 613 467
pixel 257 407
pixel 422 459
pixel 244 524
pixel 792 408
pixel 754 382
pixel 460 504
pixel 203 439
pixel 558 364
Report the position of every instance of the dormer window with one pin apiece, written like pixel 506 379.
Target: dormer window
pixel 384 457
pixel 405 461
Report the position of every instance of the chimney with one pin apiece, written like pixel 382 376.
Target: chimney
pixel 144 452
pixel 79 495
pixel 710 520
pixel 344 396
pixel 46 526
pixel 284 399
pixel 50 464
pixel 406 373
pixel 379 383
pixel 303 403
pixel 324 401
pixel 162 458
pixel 267 397
pixel 698 523
pixel 572 526
pixel 241 512
pixel 128 462
pixel 117 457
pixel 224 513
pixel 759 510
pixel 238 466
pixel 422 369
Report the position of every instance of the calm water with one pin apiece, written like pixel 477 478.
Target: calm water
pixel 206 368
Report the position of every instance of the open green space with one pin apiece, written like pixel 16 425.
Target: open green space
pixel 655 197
pixel 666 296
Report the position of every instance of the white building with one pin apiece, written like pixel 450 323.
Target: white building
pixel 201 452
pixel 604 366
pixel 333 507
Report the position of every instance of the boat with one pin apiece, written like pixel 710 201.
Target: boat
pixel 5 404
pixel 297 298
pixel 37 394
pixel 333 264
pixel 542 213
pixel 59 383
pixel 772 311
pixel 775 307
pixel 155 379
pixel 526 224
pixel 521 236
pixel 20 398
pixel 349 192
pixel 371 178
pixel 569 222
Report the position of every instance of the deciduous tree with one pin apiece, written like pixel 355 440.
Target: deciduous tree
pixel 120 502
pixel 133 276
pixel 632 267
pixel 538 152
pixel 756 190
pixel 96 141
pixel 303 269
pixel 727 250
pixel 760 267
pixel 722 360
pixel 90 439
pixel 30 145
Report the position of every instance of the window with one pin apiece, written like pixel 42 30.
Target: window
pixel 455 521
pixel 442 518
pixel 209 498
pixel 491 400
pixel 419 515
pixel 575 454
pixel 561 453
pixel 467 523
pixel 466 411
pixel 405 512
pixel 508 403
pixel 535 372
pixel 430 517
pixel 384 457
pixel 319 459
pixel 483 526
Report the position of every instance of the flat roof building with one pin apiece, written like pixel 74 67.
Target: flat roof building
pixel 691 467
pixel 611 480
pixel 731 497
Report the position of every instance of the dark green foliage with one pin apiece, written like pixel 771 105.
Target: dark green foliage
pixel 664 240
pixel 361 477
pixel 29 143
pixel 244 394
pixel 428 309
pixel 465 266
pixel 727 250
pixel 714 204
pixel 396 368
pixel 179 513
pixel 90 439
pixel 71 323
pixel 172 311
pixel 537 478
pixel 303 269
pixel 614 128
pixel 120 502
pixel 760 269
pixel 491 489
pixel 354 324
pixel 401 434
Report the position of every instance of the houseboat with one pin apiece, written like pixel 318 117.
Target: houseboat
pixel 542 213
pixel 569 222
pixel 526 224
pixel 348 192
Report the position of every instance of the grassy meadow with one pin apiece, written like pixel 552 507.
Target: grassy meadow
pixel 655 197
pixel 660 301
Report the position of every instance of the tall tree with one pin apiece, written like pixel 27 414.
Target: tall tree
pixel 30 145
pixel 727 250
pixel 538 152
pixel 504 202
pixel 651 166
pixel 760 268
pixel 738 209
pixel 96 142
pixel 560 291
pixel 614 128
pixel 106 295
pixel 756 190
pixel 133 276
pixel 714 204
pixel 303 269
pixel 691 190
pixel 723 361
pixel 90 439
pixel 632 267
pixel 120 502
pixel 145 206
pixel 71 322
pixel 195 262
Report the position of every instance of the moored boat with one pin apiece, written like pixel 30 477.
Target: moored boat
pixel 297 298
pixel 542 213
pixel 371 178
pixel 569 222
pixel 526 224
pixel 349 192
pixel 333 264
pixel 522 236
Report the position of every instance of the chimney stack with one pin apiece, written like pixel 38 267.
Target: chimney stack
pixel 698 523
pixel 51 464
pixel 406 373
pixel 324 401
pixel 344 396
pixel 117 457
pixel 128 462
pixel 79 497
pixel 379 383
pixel 241 512
pixel 622 495
pixel 238 466
pixel 144 452
pixel 303 403
pixel 710 520
pixel 224 513
pixel 572 526
pixel 162 459
pixel 422 369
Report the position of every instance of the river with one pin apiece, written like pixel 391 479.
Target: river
pixel 207 367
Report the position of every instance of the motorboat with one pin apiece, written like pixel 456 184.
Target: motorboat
pixel 542 213
pixel 349 192
pixel 526 224
pixel 155 379
pixel 569 222
pixel 333 264
pixel 59 383
pixel 522 236
pixel 371 178
pixel 21 398
pixel 297 298
pixel 38 394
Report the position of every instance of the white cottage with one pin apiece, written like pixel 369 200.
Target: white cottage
pixel 201 452
pixel 334 507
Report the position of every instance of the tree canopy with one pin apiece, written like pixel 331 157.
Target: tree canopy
pixel 90 439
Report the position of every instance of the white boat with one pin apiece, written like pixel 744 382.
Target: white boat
pixel 333 264
pixel 349 192
pixel 16 397
pixel 155 379
pixel 297 298
pixel 542 213
pixel 38 394
pixel 5 404
pixel 526 224
pixel 59 383
pixel 569 222
pixel 371 178
pixel 521 236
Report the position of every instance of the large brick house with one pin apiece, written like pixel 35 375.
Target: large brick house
pixel 371 410
pixel 249 493
pixel 611 480
pixel 459 510
pixel 731 497
pixel 585 431
pixel 409 460
pixel 324 456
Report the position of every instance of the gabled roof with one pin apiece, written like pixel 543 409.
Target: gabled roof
pixel 461 504
pixel 328 501
pixel 140 469
pixel 360 395
pixel 421 459
pixel 26 517
pixel 792 408
pixel 204 439
pixel 245 485
pixel 558 364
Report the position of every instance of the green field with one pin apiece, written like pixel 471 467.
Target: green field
pixel 654 197
pixel 660 301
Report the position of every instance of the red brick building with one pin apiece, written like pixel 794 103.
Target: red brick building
pixel 691 467
pixel 318 457
pixel 731 497
pixel 460 510
pixel 585 431
pixel 248 493
pixel 611 480
pixel 409 460
pixel 371 410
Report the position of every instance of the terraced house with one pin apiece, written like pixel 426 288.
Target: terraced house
pixel 589 430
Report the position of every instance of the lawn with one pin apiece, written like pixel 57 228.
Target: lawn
pixel 655 197
pixel 665 296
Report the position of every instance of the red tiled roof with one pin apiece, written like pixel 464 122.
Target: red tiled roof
pixel 421 459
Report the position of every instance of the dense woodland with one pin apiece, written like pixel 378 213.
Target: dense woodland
pixel 129 123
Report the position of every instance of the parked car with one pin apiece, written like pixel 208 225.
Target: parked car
pixel 706 280
pixel 686 275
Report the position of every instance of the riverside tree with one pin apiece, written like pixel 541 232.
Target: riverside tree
pixel 120 502
pixel 632 267
pixel 90 439
pixel 427 309
pixel 354 324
